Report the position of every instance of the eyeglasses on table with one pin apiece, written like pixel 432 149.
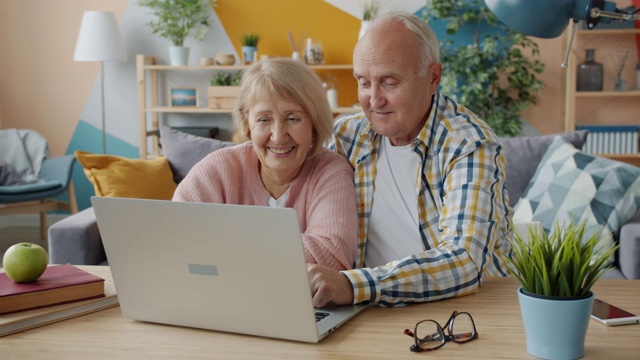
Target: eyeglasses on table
pixel 429 335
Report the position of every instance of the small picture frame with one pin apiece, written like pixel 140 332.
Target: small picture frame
pixel 183 97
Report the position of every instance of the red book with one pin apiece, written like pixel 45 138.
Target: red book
pixel 58 285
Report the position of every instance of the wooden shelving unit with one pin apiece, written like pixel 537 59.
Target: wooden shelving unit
pixel 604 41
pixel 151 105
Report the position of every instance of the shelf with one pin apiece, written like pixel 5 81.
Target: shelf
pixel 631 159
pixel 200 110
pixel 190 110
pixel 150 107
pixel 608 32
pixel 620 156
pixel 583 106
pixel 608 93
pixel 238 67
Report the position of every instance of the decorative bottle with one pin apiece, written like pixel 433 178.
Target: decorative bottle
pixel 329 85
pixel 590 74
pixel 313 54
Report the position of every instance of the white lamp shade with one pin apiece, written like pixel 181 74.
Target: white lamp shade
pixel 99 38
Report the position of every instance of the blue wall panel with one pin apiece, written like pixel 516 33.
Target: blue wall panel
pixel 89 138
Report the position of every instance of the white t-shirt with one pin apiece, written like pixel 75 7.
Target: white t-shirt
pixel 393 227
pixel 279 202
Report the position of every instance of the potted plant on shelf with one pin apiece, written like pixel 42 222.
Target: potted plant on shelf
pixel 249 47
pixel 223 90
pixel 177 20
pixel 556 272
pixel 494 72
pixel 370 9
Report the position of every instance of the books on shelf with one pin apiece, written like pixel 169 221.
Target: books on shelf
pixel 611 139
pixel 57 285
pixel 22 320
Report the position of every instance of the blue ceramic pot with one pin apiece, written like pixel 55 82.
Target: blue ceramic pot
pixel 249 53
pixel 555 327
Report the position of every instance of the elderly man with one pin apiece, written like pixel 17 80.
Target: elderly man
pixel 429 175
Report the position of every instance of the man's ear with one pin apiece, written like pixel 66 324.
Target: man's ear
pixel 435 75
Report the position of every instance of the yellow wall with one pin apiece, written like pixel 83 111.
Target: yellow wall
pixel 337 30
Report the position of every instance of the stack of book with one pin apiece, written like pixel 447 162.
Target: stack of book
pixel 62 292
pixel 611 139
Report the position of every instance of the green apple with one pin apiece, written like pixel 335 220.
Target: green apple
pixel 25 262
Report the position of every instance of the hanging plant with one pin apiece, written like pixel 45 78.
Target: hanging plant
pixel 496 73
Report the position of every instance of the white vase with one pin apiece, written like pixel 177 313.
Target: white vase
pixel 364 26
pixel 178 55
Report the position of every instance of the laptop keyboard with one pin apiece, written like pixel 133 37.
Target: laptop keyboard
pixel 321 315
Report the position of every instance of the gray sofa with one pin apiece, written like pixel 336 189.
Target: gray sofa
pixel 76 239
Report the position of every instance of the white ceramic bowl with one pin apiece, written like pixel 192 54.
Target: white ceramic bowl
pixel 225 59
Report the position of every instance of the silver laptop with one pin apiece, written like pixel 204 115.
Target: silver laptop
pixel 231 268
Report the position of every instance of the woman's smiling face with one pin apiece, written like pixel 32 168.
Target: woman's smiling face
pixel 282 136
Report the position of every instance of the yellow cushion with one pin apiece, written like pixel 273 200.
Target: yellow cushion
pixel 117 176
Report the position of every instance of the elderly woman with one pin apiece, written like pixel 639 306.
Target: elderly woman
pixel 283 111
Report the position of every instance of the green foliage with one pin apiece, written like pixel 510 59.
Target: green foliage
pixel 250 39
pixel 370 9
pixel 495 75
pixel 179 19
pixel 226 79
pixel 566 263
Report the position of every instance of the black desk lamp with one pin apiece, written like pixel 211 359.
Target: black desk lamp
pixel 549 18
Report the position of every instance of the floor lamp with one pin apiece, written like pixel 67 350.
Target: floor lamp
pixel 99 40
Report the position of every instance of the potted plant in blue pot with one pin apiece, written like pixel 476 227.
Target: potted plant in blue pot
pixel 177 20
pixel 556 271
pixel 249 47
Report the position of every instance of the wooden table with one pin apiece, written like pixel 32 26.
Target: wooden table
pixel 375 333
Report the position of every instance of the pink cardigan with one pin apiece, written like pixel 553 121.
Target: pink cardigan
pixel 322 194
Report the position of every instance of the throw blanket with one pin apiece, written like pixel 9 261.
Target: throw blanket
pixel 25 150
pixel 8 174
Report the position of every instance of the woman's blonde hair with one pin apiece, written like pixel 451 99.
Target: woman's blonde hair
pixel 292 80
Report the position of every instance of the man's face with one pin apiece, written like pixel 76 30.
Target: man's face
pixel 394 97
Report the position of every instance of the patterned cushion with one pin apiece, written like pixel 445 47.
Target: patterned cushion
pixel 571 184
pixel 523 154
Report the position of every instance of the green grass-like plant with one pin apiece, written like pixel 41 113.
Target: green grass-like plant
pixel 565 263
pixel 226 79
pixel 250 39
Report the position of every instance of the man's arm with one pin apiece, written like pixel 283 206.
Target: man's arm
pixel 464 231
pixel 464 217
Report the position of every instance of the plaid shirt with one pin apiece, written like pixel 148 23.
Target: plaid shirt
pixel 464 212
